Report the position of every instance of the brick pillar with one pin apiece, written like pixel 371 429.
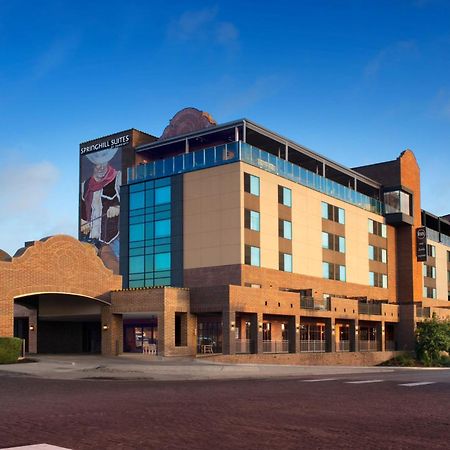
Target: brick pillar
pixel 166 333
pixel 329 335
pixel 112 332
pixel 354 330
pixel 257 334
pixel 381 331
pixel 294 341
pixel 229 332
pixel 32 335
pixel 6 317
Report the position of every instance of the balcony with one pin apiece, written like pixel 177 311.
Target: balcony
pixel 369 308
pixel 241 151
pixel 313 346
pixel 343 346
pixel 368 346
pixel 244 346
pixel 315 304
pixel 276 346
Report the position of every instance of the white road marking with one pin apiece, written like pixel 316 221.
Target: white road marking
pixel 364 381
pixel 422 383
pixel 317 380
pixel 37 447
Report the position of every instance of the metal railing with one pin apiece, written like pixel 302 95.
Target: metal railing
pixel 241 151
pixel 244 345
pixel 435 236
pixel 423 312
pixel 343 346
pixel 313 346
pixel 318 304
pixel 368 346
pixel 369 308
pixel 275 346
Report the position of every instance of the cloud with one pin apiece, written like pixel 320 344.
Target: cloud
pixel 27 186
pixel 390 55
pixel 55 55
pixel 203 25
pixel 440 105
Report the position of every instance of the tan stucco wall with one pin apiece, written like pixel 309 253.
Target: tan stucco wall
pixel 213 223
pixel 441 270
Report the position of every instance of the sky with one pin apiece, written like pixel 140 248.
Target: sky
pixel 357 81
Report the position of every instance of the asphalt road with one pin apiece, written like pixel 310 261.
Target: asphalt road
pixel 337 411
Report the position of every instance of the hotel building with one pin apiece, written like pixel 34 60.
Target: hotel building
pixel 231 239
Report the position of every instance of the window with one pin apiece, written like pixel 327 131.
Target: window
pixel 333 242
pixel 331 212
pixel 429 292
pixel 284 196
pixel 377 254
pixel 252 255
pixel 137 232
pixel 285 229
pixel 377 228
pixel 334 271
pixel 162 195
pixel 429 271
pixel 431 250
pixel 378 280
pixel 137 200
pixel 251 184
pixel 162 261
pixel 162 228
pixel 448 256
pixel 251 219
pixel 397 201
pixel 285 262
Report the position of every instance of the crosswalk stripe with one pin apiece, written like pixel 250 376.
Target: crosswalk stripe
pixel 317 380
pixel 422 383
pixel 364 381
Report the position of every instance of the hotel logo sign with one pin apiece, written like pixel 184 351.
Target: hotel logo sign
pixel 421 244
pixel 108 143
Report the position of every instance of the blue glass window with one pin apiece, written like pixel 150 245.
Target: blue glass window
pixel 162 228
pixel 162 195
pixel 137 200
pixel 137 232
pixel 286 262
pixel 287 229
pixel 341 215
pixel 342 273
pixel 136 264
pixel 162 261
pixel 254 220
pixel 284 196
pixel 255 256
pixel 326 270
pixel 251 184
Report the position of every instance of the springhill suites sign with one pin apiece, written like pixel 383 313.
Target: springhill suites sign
pixel 108 143
pixel 421 244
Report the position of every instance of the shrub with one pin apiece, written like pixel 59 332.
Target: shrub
pixel 10 350
pixel 432 338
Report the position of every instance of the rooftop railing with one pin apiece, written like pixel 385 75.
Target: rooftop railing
pixel 435 236
pixel 241 151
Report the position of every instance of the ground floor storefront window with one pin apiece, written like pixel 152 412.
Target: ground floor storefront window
pixel 209 333
pixel 140 335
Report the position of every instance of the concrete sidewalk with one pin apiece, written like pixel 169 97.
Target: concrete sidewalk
pixel 135 367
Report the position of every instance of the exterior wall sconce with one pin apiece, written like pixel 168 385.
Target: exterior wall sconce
pixel 105 327
pixel 297 328
pixel 260 325
pixel 31 327
pixel 332 329
pixel 382 330
pixel 232 325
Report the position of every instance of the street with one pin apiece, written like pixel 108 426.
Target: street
pixel 398 409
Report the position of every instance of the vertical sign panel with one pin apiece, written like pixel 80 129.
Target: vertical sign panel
pixel 421 244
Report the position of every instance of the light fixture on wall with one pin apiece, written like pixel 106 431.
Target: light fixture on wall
pixel 297 328
pixel 31 327
pixel 260 325
pixel 105 327
pixel 232 325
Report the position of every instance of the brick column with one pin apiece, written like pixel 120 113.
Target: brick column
pixel 256 332
pixel 229 332
pixel 294 335
pixel 112 332
pixel 381 330
pixel 32 335
pixel 354 336
pixel 6 317
pixel 329 335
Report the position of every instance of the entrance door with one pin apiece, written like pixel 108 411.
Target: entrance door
pixel 138 334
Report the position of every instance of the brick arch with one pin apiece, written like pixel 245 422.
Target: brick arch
pixel 58 264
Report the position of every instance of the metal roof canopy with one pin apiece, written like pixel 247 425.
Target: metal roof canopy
pixel 248 124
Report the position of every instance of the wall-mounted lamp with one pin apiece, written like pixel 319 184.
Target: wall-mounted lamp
pixel 297 328
pixel 105 327
pixel 332 329
pixel 31 327
pixel 382 330
pixel 260 325
pixel 232 325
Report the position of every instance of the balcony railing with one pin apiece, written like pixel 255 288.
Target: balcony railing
pixel 241 151
pixel 244 346
pixel 343 346
pixel 435 236
pixel 423 312
pixel 318 304
pixel 390 346
pixel 313 346
pixel 275 346
pixel 369 308
pixel 368 346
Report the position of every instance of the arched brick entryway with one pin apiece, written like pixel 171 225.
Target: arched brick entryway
pixel 58 265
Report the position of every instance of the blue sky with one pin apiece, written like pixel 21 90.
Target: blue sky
pixel 358 81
